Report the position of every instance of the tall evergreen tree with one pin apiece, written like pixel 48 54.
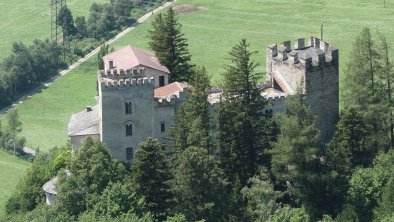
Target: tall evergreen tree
pixel 361 71
pixel 199 186
pixel 386 76
pixel 295 156
pixel 240 116
pixel 192 123
pixel 150 175
pixel 170 46
pixel 66 21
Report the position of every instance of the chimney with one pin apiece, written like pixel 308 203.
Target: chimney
pixel 88 108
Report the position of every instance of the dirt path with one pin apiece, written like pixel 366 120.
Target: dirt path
pixel 88 56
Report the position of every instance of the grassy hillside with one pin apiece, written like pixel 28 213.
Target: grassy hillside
pixel 12 169
pixel 211 34
pixel 26 20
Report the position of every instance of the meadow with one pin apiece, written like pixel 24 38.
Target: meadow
pixel 12 168
pixel 26 20
pixel 211 34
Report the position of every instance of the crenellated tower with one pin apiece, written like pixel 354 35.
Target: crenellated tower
pixel 312 68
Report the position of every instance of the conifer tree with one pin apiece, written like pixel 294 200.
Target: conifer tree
pixel 387 75
pixel 66 21
pixel 150 175
pixel 192 123
pixel 199 186
pixel 361 71
pixel 295 156
pixel 240 116
pixel 170 46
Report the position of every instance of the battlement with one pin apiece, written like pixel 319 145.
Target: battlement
pixel 117 74
pixel 315 53
pixel 124 83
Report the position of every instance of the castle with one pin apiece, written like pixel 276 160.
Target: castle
pixel 136 100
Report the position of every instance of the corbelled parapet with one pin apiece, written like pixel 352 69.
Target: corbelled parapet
pixel 323 53
pixel 123 83
pixel 117 74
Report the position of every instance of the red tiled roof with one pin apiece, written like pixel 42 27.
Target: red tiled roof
pixel 169 89
pixel 129 57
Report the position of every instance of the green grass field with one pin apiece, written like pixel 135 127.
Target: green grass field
pixel 211 34
pixel 11 169
pixel 26 20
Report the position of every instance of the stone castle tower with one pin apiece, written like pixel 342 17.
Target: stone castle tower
pixel 135 102
pixel 311 68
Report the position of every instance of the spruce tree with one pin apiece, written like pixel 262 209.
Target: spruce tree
pixel 295 156
pixel 192 123
pixel 199 186
pixel 150 175
pixel 66 21
pixel 240 116
pixel 170 46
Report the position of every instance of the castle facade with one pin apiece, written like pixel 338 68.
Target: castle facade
pixel 136 101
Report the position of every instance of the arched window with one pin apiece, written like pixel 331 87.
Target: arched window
pixel 129 129
pixel 129 153
pixel 163 127
pixel 128 108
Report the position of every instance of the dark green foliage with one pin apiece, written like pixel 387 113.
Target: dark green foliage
pixel 104 50
pixel 288 214
pixel 122 10
pixel 117 199
pixel 128 217
pixel 170 46
pixel 385 205
pixel 66 21
pixel 150 178
pixel 81 26
pixel 199 186
pixel 92 169
pixel 347 215
pixel 29 193
pixel 192 123
pixel 295 156
pixel 9 138
pixel 26 66
pixel 177 218
pixel 240 117
pixel 367 185
pixel 261 198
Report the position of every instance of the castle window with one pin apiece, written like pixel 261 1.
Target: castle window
pixel 163 127
pixel 129 129
pixel 129 153
pixel 161 80
pixel 128 108
pixel 111 64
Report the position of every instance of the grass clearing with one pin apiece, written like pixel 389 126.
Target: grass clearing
pixel 26 20
pixel 211 34
pixel 11 170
